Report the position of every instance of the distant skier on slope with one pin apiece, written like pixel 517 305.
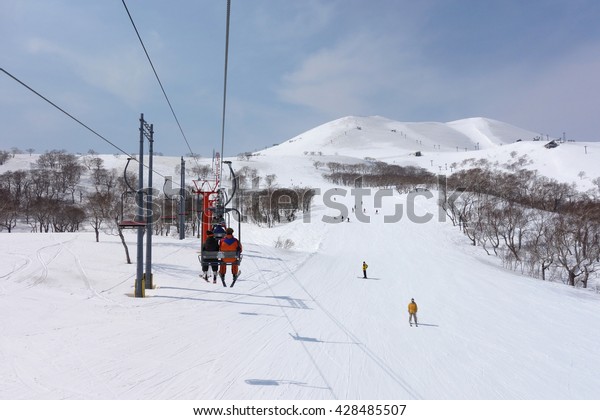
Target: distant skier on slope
pixel 412 312
pixel 364 268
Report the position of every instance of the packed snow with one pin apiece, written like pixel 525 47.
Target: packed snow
pixel 302 323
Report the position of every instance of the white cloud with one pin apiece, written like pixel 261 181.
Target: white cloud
pixel 289 20
pixel 342 79
pixel 120 72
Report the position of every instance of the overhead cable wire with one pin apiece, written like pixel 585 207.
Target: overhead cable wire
pixel 65 112
pixel 77 120
pixel 158 79
pixel 225 87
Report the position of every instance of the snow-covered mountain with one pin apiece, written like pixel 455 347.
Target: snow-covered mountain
pixel 302 323
pixel 355 136
pixel 441 145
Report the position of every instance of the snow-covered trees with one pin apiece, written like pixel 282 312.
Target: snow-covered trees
pixel 533 223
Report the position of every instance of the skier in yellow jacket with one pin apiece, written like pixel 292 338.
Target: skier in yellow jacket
pixel 364 267
pixel 412 312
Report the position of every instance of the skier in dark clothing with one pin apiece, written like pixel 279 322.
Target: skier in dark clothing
pixel 210 245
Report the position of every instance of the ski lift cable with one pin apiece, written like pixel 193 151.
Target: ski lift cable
pixel 78 121
pixel 225 87
pixel 160 82
pixel 65 112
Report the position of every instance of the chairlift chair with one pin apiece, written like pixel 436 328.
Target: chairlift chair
pixel 136 222
pixel 206 257
pixel 128 223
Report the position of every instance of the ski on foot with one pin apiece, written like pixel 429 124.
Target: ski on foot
pixel 235 278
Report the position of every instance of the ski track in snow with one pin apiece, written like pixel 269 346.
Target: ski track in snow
pixel 291 324
pixel 17 266
pixel 352 338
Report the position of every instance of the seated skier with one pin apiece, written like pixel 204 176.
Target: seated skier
pixel 229 244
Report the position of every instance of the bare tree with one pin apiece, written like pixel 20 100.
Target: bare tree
pixel 512 227
pixel 42 210
pixel 539 241
pixel 9 210
pixel 270 180
pixel 67 217
pixel 101 207
pixel 577 248
pixel 4 156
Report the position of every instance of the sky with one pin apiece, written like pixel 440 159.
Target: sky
pixel 291 66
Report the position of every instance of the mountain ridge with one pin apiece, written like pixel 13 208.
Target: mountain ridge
pixel 437 147
pixel 352 134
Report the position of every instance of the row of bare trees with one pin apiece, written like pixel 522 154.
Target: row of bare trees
pixel 263 202
pixel 45 195
pixel 537 225
pixel 273 205
pixel 52 196
pixel 379 175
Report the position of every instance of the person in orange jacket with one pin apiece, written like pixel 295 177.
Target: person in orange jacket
pixel 412 312
pixel 229 244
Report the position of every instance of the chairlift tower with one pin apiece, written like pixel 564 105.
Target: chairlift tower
pixel 208 189
pixel 143 220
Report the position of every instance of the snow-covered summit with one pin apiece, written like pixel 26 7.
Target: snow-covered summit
pixel 382 137
pixel 438 147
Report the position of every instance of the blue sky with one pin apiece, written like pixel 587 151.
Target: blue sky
pixel 293 65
